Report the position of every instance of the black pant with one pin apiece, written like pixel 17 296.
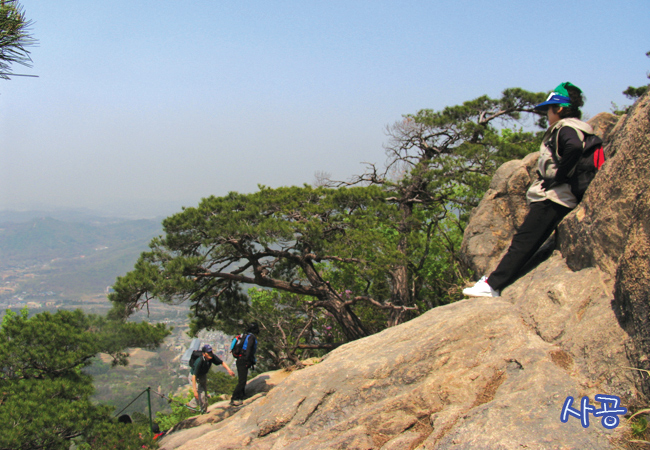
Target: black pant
pixel 242 374
pixel 541 220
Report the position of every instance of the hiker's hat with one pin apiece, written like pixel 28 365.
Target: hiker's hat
pixel 207 348
pixel 559 96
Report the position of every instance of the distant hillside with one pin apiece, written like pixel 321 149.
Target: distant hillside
pixel 44 239
pixel 62 214
pixel 92 273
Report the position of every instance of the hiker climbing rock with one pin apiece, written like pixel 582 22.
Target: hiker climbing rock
pixel 243 349
pixel 562 179
pixel 199 375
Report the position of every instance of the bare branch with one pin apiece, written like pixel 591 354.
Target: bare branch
pixel 382 305
pixel 331 346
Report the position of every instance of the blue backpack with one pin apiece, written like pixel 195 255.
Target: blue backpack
pixel 238 345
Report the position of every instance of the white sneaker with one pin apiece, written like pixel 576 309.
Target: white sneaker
pixel 481 289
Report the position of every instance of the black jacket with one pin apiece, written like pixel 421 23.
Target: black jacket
pixel 249 351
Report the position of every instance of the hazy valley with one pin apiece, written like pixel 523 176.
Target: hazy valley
pixel 69 260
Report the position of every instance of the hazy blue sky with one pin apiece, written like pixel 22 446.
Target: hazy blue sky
pixel 156 104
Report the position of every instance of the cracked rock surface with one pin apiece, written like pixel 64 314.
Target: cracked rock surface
pixel 482 373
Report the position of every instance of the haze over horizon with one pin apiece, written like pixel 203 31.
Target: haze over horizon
pixel 140 108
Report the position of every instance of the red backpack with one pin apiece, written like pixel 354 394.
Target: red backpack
pixel 592 159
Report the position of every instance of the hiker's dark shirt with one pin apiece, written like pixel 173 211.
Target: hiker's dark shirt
pixel 202 366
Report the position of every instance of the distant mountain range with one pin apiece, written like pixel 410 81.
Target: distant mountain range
pixel 124 209
pixel 63 214
pixel 44 239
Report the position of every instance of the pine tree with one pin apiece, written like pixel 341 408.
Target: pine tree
pixel 44 393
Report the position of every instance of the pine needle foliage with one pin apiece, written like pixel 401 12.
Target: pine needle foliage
pixel 15 37
pixel 45 396
pixel 290 239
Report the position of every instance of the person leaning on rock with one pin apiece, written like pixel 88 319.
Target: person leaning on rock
pixel 550 197
pixel 245 361
pixel 199 375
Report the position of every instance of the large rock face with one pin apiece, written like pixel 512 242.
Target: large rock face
pixel 482 373
pixel 610 229
pixel 493 223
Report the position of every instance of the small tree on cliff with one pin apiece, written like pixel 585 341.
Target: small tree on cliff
pixel 291 239
pixel 635 92
pixel 439 165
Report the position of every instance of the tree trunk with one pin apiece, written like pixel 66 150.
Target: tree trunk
pixel 350 323
pixel 400 295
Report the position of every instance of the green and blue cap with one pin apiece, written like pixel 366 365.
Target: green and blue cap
pixel 559 96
